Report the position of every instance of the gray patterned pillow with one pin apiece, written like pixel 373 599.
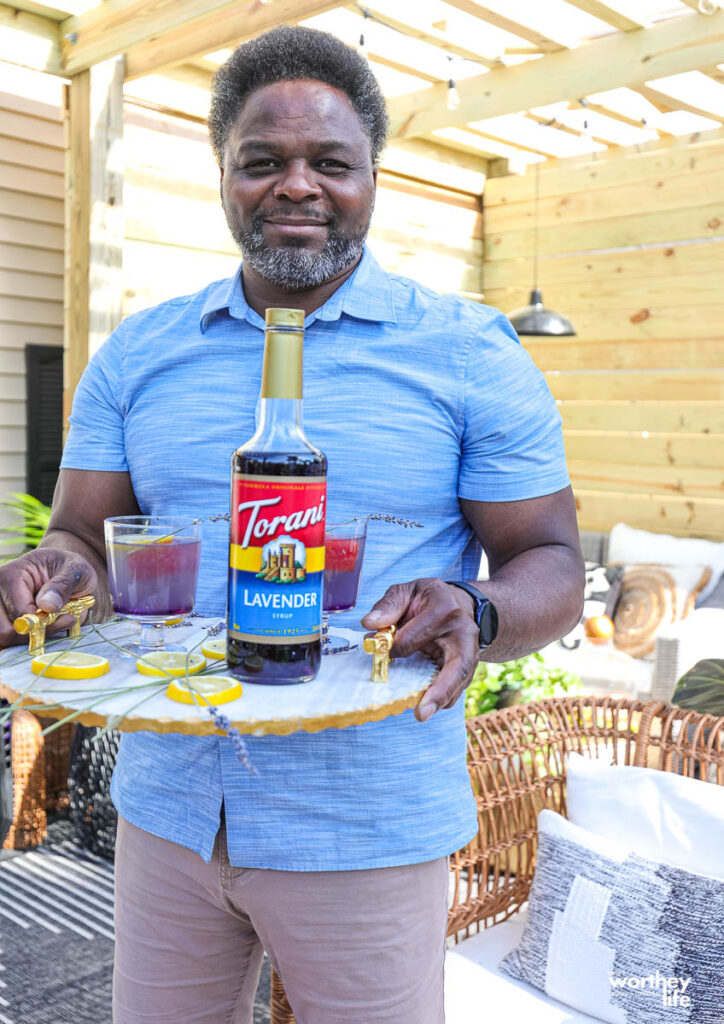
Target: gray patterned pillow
pixel 624 939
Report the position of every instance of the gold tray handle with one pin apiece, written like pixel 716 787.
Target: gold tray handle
pixel 35 623
pixel 379 645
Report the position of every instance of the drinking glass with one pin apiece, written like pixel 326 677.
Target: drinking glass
pixel 153 566
pixel 344 547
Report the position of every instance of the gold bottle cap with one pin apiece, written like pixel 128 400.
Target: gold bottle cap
pixel 282 372
pixel 277 317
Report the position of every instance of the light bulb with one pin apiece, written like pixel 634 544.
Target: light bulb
pixel 453 96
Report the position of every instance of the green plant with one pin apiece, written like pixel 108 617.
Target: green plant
pixel 702 688
pixel 34 517
pixel 519 681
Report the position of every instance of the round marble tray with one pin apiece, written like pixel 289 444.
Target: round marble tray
pixel 341 695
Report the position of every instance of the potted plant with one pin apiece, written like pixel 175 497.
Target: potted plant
pixel 516 682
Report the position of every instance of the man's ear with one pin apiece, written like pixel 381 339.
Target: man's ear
pixel 221 182
pixel 374 174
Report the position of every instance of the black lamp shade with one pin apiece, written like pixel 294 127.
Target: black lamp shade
pixel 535 319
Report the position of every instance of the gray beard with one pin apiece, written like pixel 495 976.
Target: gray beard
pixel 296 268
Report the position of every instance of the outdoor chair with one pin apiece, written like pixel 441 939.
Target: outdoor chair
pixel 516 758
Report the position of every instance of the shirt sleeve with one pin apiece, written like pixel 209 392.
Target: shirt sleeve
pixel 96 439
pixel 512 443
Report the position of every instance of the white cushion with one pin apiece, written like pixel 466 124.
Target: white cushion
pixel 658 815
pixel 627 545
pixel 475 991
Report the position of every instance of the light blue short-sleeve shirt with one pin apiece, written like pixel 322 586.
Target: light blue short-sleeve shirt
pixel 417 400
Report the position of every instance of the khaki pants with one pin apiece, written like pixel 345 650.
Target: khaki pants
pixel 352 947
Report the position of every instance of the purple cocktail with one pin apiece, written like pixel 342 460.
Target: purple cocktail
pixel 342 566
pixel 153 580
pixel 153 565
pixel 344 548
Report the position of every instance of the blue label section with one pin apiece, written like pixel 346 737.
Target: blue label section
pixel 258 608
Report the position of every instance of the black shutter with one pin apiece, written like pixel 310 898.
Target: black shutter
pixel 44 432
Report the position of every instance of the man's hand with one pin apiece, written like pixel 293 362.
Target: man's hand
pixel 437 620
pixel 43 579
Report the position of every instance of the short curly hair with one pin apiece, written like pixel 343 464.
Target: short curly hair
pixel 292 52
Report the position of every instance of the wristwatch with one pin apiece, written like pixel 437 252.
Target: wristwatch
pixel 485 614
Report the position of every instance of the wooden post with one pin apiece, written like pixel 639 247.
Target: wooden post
pixel 94 216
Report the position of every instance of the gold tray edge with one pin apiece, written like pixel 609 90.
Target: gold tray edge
pixel 254 727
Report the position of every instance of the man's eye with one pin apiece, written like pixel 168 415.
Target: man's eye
pixel 332 165
pixel 262 165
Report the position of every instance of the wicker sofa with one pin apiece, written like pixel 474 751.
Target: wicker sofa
pixel 491 878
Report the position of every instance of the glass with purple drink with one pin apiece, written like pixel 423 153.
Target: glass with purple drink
pixel 344 548
pixel 153 566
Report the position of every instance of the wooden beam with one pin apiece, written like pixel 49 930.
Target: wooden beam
pixel 229 26
pixel 430 35
pixel 29 40
pixel 55 13
pixel 566 129
pixel 626 59
pixel 714 72
pixel 77 249
pixel 484 12
pixel 94 218
pixel 156 35
pixel 665 103
pixel 610 14
pixel 599 108
pixel 615 115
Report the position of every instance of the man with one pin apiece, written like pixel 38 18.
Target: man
pixel 334 856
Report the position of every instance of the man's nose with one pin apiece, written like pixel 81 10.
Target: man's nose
pixel 297 182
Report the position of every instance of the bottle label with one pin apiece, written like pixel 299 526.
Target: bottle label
pixel 276 558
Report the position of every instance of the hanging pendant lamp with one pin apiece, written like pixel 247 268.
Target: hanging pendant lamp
pixel 535 319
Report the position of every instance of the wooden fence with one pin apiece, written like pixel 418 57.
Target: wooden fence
pixel 632 250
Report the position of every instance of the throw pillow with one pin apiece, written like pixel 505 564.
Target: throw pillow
pixel 622 938
pixel 652 597
pixel 630 546
pixel 663 816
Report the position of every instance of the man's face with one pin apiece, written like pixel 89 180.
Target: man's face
pixel 297 183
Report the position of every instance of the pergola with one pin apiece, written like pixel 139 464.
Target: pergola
pixel 509 81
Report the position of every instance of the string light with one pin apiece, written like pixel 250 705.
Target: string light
pixel 406 35
pixel 362 47
pixel 453 96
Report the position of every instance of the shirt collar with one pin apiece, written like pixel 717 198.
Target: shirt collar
pixel 365 295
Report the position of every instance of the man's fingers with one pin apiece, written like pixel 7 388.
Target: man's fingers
pixel 77 578
pixel 433 625
pixel 389 609
pixel 17 597
pixel 443 692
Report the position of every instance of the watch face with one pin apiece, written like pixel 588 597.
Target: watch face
pixel 488 623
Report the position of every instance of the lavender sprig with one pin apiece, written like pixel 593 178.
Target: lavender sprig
pixel 378 517
pixel 375 516
pixel 237 740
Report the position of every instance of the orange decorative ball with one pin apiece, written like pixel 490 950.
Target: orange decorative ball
pixel 598 629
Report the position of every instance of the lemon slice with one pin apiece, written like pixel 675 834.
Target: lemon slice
pixel 170 663
pixel 206 689
pixel 174 622
pixel 69 665
pixel 215 648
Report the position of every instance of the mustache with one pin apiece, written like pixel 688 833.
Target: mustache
pixel 303 213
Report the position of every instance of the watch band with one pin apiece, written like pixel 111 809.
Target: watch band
pixel 485 613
